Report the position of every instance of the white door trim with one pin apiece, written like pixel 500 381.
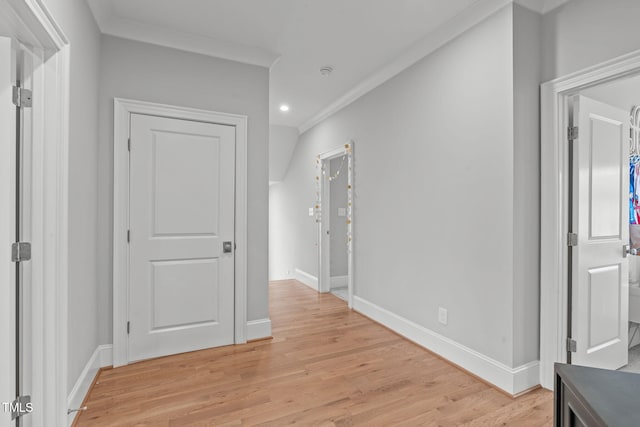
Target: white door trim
pixel 123 108
pixel 31 23
pixel 554 203
pixel 322 212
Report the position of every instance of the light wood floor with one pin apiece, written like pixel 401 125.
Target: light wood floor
pixel 325 366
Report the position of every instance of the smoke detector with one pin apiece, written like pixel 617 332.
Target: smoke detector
pixel 326 70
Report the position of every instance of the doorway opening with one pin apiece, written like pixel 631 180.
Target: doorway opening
pixel 336 210
pixel 334 215
pixel 586 250
pixel 34 80
pixel 621 97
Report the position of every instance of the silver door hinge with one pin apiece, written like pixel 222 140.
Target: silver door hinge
pixel 571 345
pixel 573 133
pixel 22 97
pixel 572 239
pixel 21 406
pixel 128 327
pixel 20 251
pixel 128 236
pixel 129 144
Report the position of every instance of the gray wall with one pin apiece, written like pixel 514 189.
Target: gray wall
pixel 338 237
pixel 526 215
pixel 586 32
pixel 434 191
pixel 282 140
pixel 77 22
pixel 152 73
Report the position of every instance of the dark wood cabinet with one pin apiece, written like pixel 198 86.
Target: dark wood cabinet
pixel 593 397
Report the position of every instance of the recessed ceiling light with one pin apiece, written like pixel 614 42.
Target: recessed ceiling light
pixel 284 108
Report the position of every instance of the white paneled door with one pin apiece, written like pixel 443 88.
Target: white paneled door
pixel 182 236
pixel 600 277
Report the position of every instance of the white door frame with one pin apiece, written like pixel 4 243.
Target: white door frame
pixel 29 22
pixel 554 203
pixel 323 216
pixel 123 108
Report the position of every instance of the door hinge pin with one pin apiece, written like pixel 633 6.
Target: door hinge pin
pixel 22 97
pixel 128 236
pixel 20 251
pixel 573 133
pixel 572 239
pixel 128 327
pixel 129 144
pixel 571 345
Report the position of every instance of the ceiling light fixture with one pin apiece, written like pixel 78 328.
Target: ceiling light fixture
pixel 284 108
pixel 326 70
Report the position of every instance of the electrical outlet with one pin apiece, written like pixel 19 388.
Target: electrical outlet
pixel 310 211
pixel 442 315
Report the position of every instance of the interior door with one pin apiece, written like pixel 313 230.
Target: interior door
pixel 15 226
pixel 182 198
pixel 24 291
pixel 8 327
pixel 600 277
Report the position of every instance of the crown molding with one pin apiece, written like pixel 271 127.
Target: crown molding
pixel 460 23
pixel 110 23
pixel 541 6
pixel 446 32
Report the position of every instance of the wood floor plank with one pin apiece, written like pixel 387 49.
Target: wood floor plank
pixel 325 366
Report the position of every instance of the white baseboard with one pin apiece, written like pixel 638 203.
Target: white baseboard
pixel 257 329
pixel 279 278
pixel 101 357
pixel 306 278
pixel 511 380
pixel 339 282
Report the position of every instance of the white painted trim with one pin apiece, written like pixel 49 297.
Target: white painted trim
pixel 554 213
pixel 339 282
pixel 541 6
pixel 257 329
pixel 511 380
pixel 101 358
pixel 123 108
pixel 32 23
pixel 56 228
pixel 7 223
pixel 305 278
pixel 112 24
pixel 451 29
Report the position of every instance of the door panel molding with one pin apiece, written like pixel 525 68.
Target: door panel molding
pixel 555 96
pixel 123 108
pixel 599 291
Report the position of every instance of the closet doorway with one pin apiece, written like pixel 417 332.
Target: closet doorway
pixel 623 95
pixel 334 214
pixel 588 261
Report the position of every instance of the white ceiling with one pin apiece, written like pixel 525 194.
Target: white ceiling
pixel 293 37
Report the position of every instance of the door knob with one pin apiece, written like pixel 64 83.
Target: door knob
pixel 227 247
pixel 626 250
